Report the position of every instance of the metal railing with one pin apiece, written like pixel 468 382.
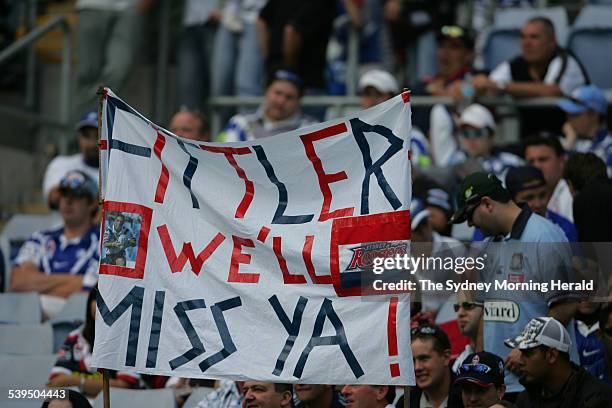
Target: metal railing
pixel 26 43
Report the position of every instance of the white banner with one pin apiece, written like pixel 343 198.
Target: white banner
pixel 244 260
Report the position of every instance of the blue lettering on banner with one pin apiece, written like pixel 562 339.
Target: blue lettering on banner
pixel 134 299
pixel 279 215
pixel 359 128
pixel 156 323
pixel 197 348
pixel 228 344
pixel 189 172
pixel 327 311
pixel 291 326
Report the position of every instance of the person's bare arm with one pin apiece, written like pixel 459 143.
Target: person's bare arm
pixel 292 46
pixel 261 28
pixel 354 12
pixel 484 85
pixel 27 278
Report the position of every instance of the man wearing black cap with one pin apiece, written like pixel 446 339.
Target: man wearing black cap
pixel 279 113
pixel 86 161
pixel 481 378
pixel 531 249
pixel 62 261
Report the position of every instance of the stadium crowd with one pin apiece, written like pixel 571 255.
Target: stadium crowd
pixel 520 203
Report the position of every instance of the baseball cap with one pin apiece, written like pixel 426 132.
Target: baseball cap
pixel 457 33
pixel 379 79
pixel 523 178
pixel 483 369
pixel 477 116
pixel 583 98
pixel 78 184
pixel 542 331
pixel 290 76
pixel 88 119
pixel 437 197
pixel 418 213
pixel 472 189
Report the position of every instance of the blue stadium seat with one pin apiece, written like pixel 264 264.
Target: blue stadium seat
pixel 69 318
pixel 20 308
pixel 502 42
pixel 591 39
pixel 25 372
pixel 26 339
pixel 120 397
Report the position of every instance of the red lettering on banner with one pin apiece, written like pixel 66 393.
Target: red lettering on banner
pixel 263 234
pixel 229 153
pixel 239 257
pixel 326 179
pixel 178 262
pixel 162 183
pixel 307 255
pixel 288 277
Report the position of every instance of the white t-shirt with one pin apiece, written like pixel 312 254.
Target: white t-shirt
pixel 562 201
pixel 571 79
pixel 61 165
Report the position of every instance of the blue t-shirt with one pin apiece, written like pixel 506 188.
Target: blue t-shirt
pixel 600 371
pixel 51 252
pixel 590 348
pixel 535 251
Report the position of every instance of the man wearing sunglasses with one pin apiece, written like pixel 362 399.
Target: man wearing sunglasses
pixel 62 261
pixel 481 378
pixel 476 137
pixel 585 129
pixel 523 248
pixel 549 377
pixel 469 314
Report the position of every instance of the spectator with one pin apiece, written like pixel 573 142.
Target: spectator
pixel 108 36
pixel 200 21
pixel 542 69
pixel 280 112
pixel 377 86
pixel 317 396
pixel 267 395
pixel 190 125
pixel 440 208
pixel 469 314
pixel 237 65
pixel 476 135
pixel 549 377
pixel 369 396
pixel 228 395
pixel 73 369
pixel 585 129
pixel 431 353
pixel 455 57
pixel 481 378
pixel 546 153
pixel 592 191
pixel 62 261
pixel 588 341
pixel 527 185
pixel 527 253
pixel 86 161
pixel 602 369
pixel 294 34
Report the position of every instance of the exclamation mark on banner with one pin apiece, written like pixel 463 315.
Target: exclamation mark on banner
pixel 392 337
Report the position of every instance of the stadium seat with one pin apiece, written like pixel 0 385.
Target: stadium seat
pixel 503 40
pixel 25 372
pixel 20 308
pixel 590 40
pixel 5 264
pixel 26 339
pixel 120 397
pixel 196 396
pixel 21 226
pixel 69 318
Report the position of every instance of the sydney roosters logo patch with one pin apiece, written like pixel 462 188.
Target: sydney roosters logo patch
pixel 364 255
